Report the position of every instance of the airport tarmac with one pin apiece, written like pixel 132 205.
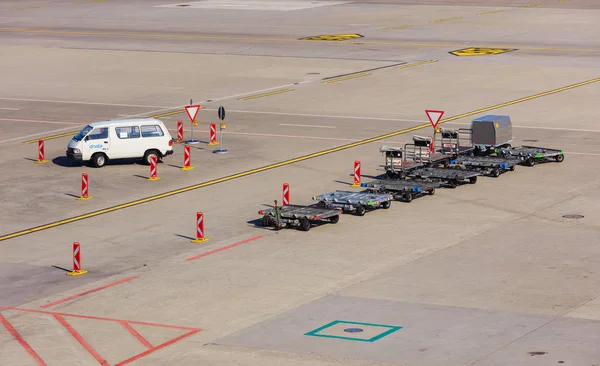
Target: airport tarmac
pixel 500 272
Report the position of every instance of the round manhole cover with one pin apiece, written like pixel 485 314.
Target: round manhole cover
pixel 572 216
pixel 353 330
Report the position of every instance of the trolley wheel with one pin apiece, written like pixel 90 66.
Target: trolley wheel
pixel 386 204
pixel 452 183
pixel 512 168
pixel 361 210
pixel 408 197
pixel 529 161
pixel 445 163
pixel 266 221
pixel 432 191
pixel 321 204
pixel 495 173
pixel 473 180
pixel 304 224
pixel 559 158
pixel 390 174
pixel 334 219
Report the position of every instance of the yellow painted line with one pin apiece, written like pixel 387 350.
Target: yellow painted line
pixel 405 44
pixel 532 6
pixel 266 94
pixel 398 27
pixel 283 163
pixel 415 64
pixel 491 12
pixel 444 20
pixel 72 133
pixel 342 78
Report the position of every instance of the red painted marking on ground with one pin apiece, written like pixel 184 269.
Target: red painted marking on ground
pixel 95 318
pixel 163 345
pixel 137 335
pixel 20 339
pixel 81 340
pixel 88 292
pixel 223 248
pixel 60 318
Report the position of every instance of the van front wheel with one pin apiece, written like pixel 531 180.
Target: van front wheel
pixel 148 154
pixel 99 160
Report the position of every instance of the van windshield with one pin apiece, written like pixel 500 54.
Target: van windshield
pixel 82 133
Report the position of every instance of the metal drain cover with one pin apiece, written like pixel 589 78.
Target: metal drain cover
pixel 572 216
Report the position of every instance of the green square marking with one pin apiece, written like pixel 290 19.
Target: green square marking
pixel 385 330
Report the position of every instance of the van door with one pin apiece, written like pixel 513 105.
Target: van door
pixel 97 140
pixel 127 142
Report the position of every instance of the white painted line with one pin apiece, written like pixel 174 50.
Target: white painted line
pixel 38 121
pixel 89 103
pixel 9 109
pixel 44 133
pixel 322 116
pixel 258 91
pixel 293 125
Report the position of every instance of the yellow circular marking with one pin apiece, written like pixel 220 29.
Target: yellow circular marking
pixel 332 37
pixel 480 51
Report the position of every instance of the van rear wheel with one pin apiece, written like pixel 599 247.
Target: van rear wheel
pixel 99 160
pixel 149 154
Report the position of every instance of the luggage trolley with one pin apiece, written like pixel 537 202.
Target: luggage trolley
pixel 356 202
pixel 455 141
pixel 530 155
pixel 450 176
pixel 488 165
pixel 404 190
pixel 300 217
pixel 401 161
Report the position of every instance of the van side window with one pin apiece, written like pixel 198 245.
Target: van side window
pixel 98 133
pixel 152 131
pixel 129 132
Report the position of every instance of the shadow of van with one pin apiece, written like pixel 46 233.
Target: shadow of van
pixel 68 163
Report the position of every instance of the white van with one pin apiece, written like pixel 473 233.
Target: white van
pixel 121 139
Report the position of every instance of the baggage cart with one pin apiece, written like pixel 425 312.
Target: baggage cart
pixel 530 155
pixel 400 161
pixel 404 190
pixel 298 216
pixel 355 202
pixel 488 165
pixel 455 142
pixel 450 176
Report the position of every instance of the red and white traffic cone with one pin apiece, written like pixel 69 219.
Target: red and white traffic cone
pixel 286 194
pixel 85 189
pixel 200 238
pixel 179 131
pixel 356 174
pixel 153 170
pixel 77 261
pixel 187 160
pixel 213 135
pixel 41 153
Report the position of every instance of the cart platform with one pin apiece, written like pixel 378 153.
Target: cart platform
pixel 298 216
pixel 451 176
pixel 356 202
pixel 530 155
pixel 489 165
pixel 404 190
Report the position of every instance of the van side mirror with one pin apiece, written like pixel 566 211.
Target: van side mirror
pixel 86 139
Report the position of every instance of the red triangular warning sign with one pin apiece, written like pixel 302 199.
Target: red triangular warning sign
pixel 192 111
pixel 434 116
